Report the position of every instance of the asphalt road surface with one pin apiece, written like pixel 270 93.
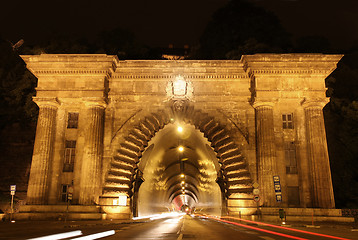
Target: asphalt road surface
pixel 174 228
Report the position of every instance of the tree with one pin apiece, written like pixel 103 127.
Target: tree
pixel 17 86
pixel 313 44
pixel 122 43
pixel 341 119
pixel 240 27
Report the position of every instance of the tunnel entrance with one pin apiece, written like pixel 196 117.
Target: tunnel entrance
pixel 174 157
pixel 180 170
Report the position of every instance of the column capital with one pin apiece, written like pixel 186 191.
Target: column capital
pixel 95 102
pixel 46 101
pixel 258 104
pixel 314 103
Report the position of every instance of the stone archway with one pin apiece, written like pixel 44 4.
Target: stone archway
pixel 124 177
pixel 258 91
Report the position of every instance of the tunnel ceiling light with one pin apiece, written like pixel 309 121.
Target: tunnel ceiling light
pixel 181 149
pixel 182 175
pixel 182 187
pixel 182 182
pixel 180 129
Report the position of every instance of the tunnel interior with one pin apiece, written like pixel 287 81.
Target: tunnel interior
pixel 180 170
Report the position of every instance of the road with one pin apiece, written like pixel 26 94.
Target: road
pixel 174 228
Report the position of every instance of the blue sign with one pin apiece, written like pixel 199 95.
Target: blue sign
pixel 277 186
pixel 276 179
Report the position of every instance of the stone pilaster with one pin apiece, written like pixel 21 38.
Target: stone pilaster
pixel 90 183
pixel 317 152
pixel 37 192
pixel 266 155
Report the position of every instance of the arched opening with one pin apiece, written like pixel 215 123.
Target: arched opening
pixel 147 164
pixel 180 172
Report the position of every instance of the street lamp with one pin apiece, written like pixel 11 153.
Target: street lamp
pixel 180 149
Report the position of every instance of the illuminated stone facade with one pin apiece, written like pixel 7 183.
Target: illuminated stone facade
pixel 261 115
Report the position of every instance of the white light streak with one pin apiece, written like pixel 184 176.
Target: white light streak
pixel 59 236
pixel 96 235
pixel 159 216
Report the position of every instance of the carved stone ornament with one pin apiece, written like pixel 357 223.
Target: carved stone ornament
pixel 179 88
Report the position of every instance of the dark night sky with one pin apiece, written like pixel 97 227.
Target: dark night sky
pixel 160 22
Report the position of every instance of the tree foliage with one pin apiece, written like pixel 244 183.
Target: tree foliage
pixel 117 41
pixel 341 119
pixel 17 86
pixel 243 28
pixel 313 44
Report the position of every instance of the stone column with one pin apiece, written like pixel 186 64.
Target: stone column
pixel 93 152
pixel 266 155
pixel 37 192
pixel 317 152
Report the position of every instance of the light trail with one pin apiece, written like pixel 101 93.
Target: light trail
pixel 259 229
pixel 96 235
pixel 286 228
pixel 159 216
pixel 59 236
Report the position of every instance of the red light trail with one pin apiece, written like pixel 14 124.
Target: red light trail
pixel 271 225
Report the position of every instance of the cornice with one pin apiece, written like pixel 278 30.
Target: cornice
pixel 206 76
pixel 71 64
pixel 72 71
pixel 288 71
pixel 295 64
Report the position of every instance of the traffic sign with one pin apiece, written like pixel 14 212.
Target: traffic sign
pixel 256 198
pixel 12 189
pixel 256 191
pixel 255 185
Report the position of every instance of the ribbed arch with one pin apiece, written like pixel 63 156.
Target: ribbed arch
pixel 120 176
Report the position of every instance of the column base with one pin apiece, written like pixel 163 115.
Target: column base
pixel 270 214
pixel 58 212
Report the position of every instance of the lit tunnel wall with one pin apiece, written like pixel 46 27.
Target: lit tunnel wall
pixel 173 178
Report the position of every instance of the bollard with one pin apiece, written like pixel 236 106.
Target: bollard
pixel 281 213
